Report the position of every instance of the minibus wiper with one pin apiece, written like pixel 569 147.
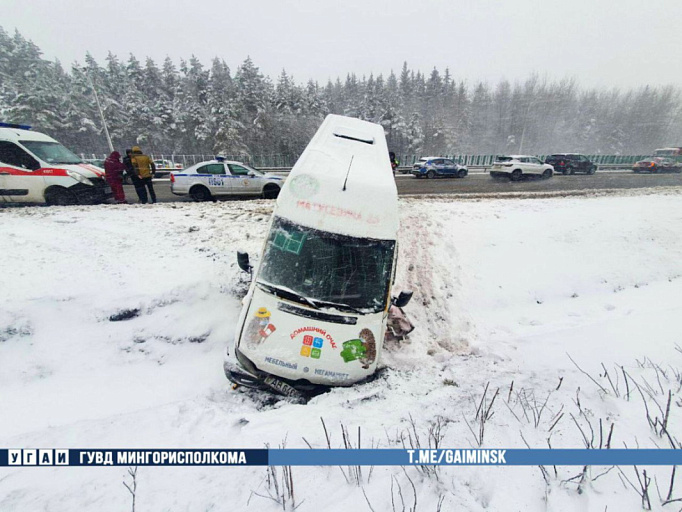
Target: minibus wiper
pixel 337 305
pixel 287 293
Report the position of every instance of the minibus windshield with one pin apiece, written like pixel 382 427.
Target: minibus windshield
pixel 51 152
pixel 328 269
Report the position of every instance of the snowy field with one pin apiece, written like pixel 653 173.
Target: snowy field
pixel 507 291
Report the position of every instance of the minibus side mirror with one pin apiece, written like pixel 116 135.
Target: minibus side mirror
pixel 243 261
pixel 402 299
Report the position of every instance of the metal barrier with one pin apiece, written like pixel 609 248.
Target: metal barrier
pixel 278 161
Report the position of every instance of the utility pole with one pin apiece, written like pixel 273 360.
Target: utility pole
pixel 525 121
pixel 101 112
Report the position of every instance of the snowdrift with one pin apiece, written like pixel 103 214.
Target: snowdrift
pixel 556 319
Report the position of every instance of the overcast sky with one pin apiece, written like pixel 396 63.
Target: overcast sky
pixel 620 43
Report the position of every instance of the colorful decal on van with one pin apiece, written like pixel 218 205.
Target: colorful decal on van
pixel 259 328
pixel 352 350
pixel 312 347
pixel 363 349
pixel 323 335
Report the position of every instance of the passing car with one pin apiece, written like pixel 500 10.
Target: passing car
pixel 165 167
pixel 571 163
pixel 215 178
pixel 514 167
pixel 657 164
pixel 437 166
pixel 673 153
pixel 35 168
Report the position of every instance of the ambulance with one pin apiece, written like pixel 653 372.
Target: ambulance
pixel 317 308
pixel 35 168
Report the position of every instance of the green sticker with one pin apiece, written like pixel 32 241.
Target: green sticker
pixel 315 353
pixel 295 242
pixel 290 242
pixel 353 350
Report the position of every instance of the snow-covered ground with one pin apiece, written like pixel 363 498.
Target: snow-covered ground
pixel 507 291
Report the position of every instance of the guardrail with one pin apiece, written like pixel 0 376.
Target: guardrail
pixel 277 161
pixel 487 160
pixel 484 168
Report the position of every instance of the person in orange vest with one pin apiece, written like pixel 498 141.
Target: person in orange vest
pixel 145 170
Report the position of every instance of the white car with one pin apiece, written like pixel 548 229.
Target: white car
pixel 165 165
pixel 514 167
pixel 207 180
pixel 35 168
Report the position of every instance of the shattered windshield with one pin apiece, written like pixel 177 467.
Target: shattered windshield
pixel 51 152
pixel 327 267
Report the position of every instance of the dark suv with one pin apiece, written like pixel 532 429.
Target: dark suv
pixel 570 163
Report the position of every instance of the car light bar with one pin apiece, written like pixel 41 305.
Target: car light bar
pixel 17 126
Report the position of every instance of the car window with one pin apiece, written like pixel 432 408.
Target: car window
pixel 238 170
pixel 537 161
pixel 211 169
pixel 216 169
pixel 448 162
pixel 12 154
pixel 523 159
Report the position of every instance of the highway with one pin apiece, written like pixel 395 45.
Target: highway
pixel 479 182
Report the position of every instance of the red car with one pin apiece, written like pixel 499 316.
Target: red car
pixel 657 164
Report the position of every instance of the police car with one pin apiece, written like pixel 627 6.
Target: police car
pixel 35 168
pixel 208 180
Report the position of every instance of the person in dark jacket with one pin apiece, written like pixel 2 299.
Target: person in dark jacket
pixel 145 169
pixel 394 161
pixel 113 169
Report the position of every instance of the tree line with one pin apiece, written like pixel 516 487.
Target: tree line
pixel 194 109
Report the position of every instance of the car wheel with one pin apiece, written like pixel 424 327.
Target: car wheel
pixel 199 193
pixel 431 174
pixel 270 192
pixel 60 197
pixel 462 173
pixel 592 170
pixel 516 175
pixel 547 174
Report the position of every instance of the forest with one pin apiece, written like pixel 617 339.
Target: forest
pixel 191 108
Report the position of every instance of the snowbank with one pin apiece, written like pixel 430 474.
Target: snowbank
pixel 505 292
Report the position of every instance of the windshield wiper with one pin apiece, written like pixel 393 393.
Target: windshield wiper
pixel 337 305
pixel 286 293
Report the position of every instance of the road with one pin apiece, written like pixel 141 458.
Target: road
pixel 482 183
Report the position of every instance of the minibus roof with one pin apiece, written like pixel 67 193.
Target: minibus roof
pixel 343 182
